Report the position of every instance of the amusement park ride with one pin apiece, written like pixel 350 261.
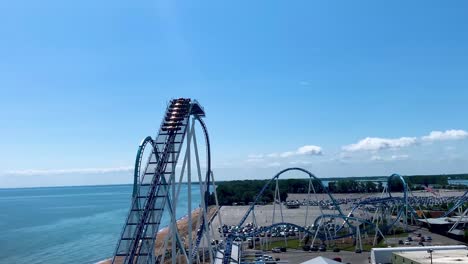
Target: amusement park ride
pixel 164 163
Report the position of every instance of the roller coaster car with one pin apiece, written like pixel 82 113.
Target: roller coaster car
pixel 179 103
pixel 175 114
pixel 172 123
pixel 171 128
pixel 180 108
pixel 174 119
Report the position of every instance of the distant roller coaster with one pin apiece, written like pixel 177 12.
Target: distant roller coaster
pixel 387 210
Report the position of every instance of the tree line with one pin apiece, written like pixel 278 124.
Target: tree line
pixel 245 191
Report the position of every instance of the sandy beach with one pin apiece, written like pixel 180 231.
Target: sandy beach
pixel 182 226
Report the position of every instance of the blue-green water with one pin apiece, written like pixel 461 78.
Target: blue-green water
pixel 66 224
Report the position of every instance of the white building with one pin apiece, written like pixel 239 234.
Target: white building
pixel 384 255
pixel 457 256
pixel 321 260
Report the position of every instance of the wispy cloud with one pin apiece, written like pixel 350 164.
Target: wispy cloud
pixel 374 144
pixel 255 158
pixel 70 171
pixel 390 158
pixel 300 162
pixel 399 157
pixel 452 134
pixel 274 159
pixel 307 150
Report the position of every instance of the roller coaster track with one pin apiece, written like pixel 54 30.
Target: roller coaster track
pixel 259 195
pixel 400 202
pixel 463 199
pixel 385 202
pixel 151 193
pixel 312 177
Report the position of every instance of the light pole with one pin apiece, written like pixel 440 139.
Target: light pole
pixel 430 252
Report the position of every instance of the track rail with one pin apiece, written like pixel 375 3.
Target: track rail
pixel 151 181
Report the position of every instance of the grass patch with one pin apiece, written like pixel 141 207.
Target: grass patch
pixel 292 244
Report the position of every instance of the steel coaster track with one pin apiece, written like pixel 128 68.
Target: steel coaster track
pixel 311 176
pixel 138 236
pixel 230 239
pixel 460 202
pixel 346 218
pixel 389 201
pixel 202 227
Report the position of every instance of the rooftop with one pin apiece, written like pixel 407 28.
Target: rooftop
pixel 445 220
pixel 321 260
pixel 458 256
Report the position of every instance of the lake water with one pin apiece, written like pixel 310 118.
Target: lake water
pixel 463 182
pixel 67 224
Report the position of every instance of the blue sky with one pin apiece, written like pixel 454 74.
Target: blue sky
pixel 81 83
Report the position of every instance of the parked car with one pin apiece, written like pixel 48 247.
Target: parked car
pixel 407 243
pixel 323 247
pixel 358 251
pixel 314 248
pixel 400 242
pixel 276 250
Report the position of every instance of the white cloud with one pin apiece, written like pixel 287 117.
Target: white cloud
pixel 273 155
pixel 399 157
pixel 306 150
pixel 70 171
pixel 253 160
pixel 374 144
pixel 446 135
pixel 309 150
pixel 303 162
pixel 287 154
pixel 391 158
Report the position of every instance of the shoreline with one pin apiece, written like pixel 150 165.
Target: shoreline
pixel 182 226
